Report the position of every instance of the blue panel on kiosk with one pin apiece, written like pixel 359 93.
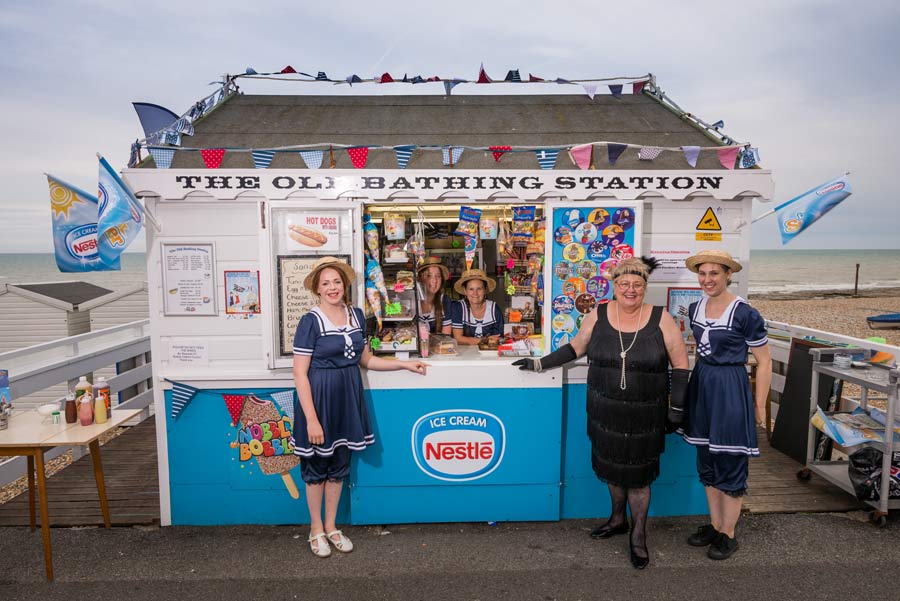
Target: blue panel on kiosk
pixel 477 454
pixel 212 483
pixel 677 491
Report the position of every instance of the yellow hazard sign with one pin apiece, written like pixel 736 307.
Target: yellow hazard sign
pixel 709 222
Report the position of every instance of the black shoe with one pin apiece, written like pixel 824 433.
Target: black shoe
pixel 705 535
pixel 723 547
pixel 607 531
pixel 637 561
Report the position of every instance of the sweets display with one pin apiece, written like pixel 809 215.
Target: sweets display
pixel 440 344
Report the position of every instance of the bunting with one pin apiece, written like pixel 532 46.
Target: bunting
pixel 499 151
pixel 450 155
pixel 546 157
pixel 648 153
pixel 590 90
pixel 638 87
pixel 288 69
pixel 182 395
pixel 358 156
pixel 212 157
pixel 616 90
pixel 250 71
pixel 385 78
pixel 162 156
pixel 352 79
pixel 403 154
pixel 749 157
pixel 728 156
pixel 312 158
pixel 262 158
pixel 134 156
pixel 483 76
pixel 615 151
pixel 449 85
pixel 183 126
pixel 535 79
pixel 581 155
pixel 285 400
pixel 690 154
pixel 235 404
pixel 513 76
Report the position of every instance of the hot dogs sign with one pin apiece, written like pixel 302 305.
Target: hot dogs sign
pixel 318 231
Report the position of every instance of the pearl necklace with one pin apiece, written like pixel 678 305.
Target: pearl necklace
pixel 624 351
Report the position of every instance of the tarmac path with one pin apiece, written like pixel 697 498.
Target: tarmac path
pixel 794 557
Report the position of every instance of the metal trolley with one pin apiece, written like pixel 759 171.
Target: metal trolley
pixel 869 378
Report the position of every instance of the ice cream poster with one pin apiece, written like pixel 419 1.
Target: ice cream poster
pixel 261 443
pixel 242 293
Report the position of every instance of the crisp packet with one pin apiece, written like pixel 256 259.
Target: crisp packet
pixel 523 223
pixel 468 221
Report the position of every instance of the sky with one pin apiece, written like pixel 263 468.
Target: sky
pixel 812 83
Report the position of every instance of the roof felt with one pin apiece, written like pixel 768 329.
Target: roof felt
pixel 73 293
pixel 247 121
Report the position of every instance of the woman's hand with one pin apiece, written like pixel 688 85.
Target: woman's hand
pixel 761 416
pixel 417 367
pixel 315 433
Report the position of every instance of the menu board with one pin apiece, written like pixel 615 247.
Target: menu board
pixel 188 284
pixel 587 244
pixel 294 300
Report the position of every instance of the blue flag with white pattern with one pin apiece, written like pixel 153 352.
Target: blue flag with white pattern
pixel 74 214
pixel 121 215
pixel 799 213
pixel 451 155
pixel 546 157
pixel 403 153
pixel 262 158
pixel 182 395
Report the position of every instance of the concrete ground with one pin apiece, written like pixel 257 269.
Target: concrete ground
pixel 794 557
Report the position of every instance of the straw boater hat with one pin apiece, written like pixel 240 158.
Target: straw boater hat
pixel 474 274
pixel 340 265
pixel 433 262
pixel 719 257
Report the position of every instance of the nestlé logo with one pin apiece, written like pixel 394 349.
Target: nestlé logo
pixel 458 444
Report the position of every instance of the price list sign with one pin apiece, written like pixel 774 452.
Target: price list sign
pixel 188 284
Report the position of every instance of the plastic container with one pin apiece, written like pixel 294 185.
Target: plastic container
pixel 82 387
pixel 100 414
pixel 424 335
pixel 101 391
pixel 86 409
pixel 71 408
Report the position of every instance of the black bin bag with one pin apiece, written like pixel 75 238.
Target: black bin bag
pixel 865 474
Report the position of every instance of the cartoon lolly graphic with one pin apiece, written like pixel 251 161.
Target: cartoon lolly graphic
pixel 471 242
pixel 258 411
pixel 371 237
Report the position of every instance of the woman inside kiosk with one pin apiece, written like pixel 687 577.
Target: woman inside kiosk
pixel 475 317
pixel 434 307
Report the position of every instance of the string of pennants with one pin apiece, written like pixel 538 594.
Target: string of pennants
pixel 183 394
pixel 512 76
pixel 582 155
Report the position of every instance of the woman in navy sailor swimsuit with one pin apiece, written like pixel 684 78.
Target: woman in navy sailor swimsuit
pixel 720 417
pixel 331 414
pixel 475 317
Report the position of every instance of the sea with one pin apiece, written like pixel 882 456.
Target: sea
pixel 771 271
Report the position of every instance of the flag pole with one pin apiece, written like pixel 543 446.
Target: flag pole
pixel 151 217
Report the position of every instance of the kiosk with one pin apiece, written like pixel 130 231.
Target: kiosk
pixel 475 439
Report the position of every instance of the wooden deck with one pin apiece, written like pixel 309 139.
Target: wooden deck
pixel 129 466
pixel 774 487
pixel 132 486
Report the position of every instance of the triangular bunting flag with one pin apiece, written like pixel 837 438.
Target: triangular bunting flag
pixel 235 404
pixel 749 157
pixel 162 157
pixel 690 154
pixel 616 90
pixel 352 79
pixel 615 151
pixel 449 85
pixel 451 155
pixel 546 157
pixel 561 80
pixel 285 400
pixel 403 153
pixel 718 124
pixel 513 75
pixel 483 76
pixel 312 158
pixel 183 126
pixel 262 158
pixel 288 69
pixel 134 156
pixel 385 78
pixel 499 151
pixel 320 76
pixel 727 156
pixel 182 395
pixel 648 153
pixel 589 89
pixel 534 78
pixel 250 71
pixel 358 156
pixel 416 79
pixel 638 87
pixel 212 157
pixel 581 155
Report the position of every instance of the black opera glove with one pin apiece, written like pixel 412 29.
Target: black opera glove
pixel 680 379
pixel 560 356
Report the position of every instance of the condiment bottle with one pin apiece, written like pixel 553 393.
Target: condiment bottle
pixel 101 391
pixel 86 410
pixel 81 387
pixel 100 410
pixel 71 409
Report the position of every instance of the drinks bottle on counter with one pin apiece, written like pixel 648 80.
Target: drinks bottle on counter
pixel 86 409
pixel 100 414
pixel 81 387
pixel 71 408
pixel 101 391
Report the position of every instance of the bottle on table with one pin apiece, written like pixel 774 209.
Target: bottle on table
pixel 81 387
pixel 86 409
pixel 71 408
pixel 100 414
pixel 101 391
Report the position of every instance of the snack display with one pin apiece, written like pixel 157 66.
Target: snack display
pixel 468 221
pixel 440 344
pixel 306 236
pixel 406 278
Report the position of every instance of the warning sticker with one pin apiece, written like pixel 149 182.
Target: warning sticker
pixel 709 222
pixel 708 237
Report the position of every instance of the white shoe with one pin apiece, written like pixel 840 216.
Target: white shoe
pixel 321 548
pixel 342 544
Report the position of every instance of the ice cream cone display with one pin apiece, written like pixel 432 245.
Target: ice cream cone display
pixel 264 433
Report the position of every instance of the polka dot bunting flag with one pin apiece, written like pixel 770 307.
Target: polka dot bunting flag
pixel 498 151
pixel 358 156
pixel 212 157
pixel 235 403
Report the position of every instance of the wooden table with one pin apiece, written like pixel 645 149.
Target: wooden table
pixel 30 434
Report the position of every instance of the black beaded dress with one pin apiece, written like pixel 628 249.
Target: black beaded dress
pixel 627 427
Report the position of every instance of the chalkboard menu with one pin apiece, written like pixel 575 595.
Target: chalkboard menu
pixel 293 299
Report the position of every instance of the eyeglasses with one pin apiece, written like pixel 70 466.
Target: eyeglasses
pixel 636 286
